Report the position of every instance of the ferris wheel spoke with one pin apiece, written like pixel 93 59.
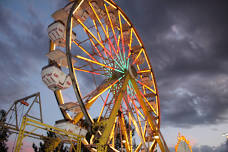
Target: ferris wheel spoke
pixel 98 51
pixel 113 31
pixel 85 51
pixel 102 26
pixel 101 89
pixel 98 33
pixel 102 57
pixel 99 36
pixel 103 106
pixel 143 87
pixel 105 32
pixel 92 72
pixel 121 33
pixel 98 63
pixel 129 48
pixel 99 42
pixel 127 29
pixel 114 34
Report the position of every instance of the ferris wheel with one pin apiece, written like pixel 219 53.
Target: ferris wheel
pixel 97 55
pixel 182 145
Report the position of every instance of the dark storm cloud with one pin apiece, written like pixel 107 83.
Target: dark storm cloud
pixel 23 45
pixel 222 148
pixel 187 45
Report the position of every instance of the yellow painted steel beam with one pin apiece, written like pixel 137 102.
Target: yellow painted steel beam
pixel 149 117
pixel 137 125
pixel 95 62
pixel 138 148
pixel 110 122
pixel 39 125
pixel 56 130
pixel 153 146
pixel 124 132
pixel 20 135
pixel 112 135
pixel 144 132
pixel 103 106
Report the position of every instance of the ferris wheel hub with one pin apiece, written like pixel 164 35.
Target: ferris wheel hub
pixel 132 71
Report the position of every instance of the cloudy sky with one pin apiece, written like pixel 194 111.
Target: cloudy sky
pixel 186 42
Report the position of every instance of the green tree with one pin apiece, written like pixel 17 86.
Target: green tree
pixel 45 143
pixel 4 133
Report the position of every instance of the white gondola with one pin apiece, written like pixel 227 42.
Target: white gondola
pixel 63 13
pixel 57 33
pixel 68 126
pixel 59 57
pixel 71 106
pixel 55 79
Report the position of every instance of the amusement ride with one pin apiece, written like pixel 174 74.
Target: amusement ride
pixel 102 78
